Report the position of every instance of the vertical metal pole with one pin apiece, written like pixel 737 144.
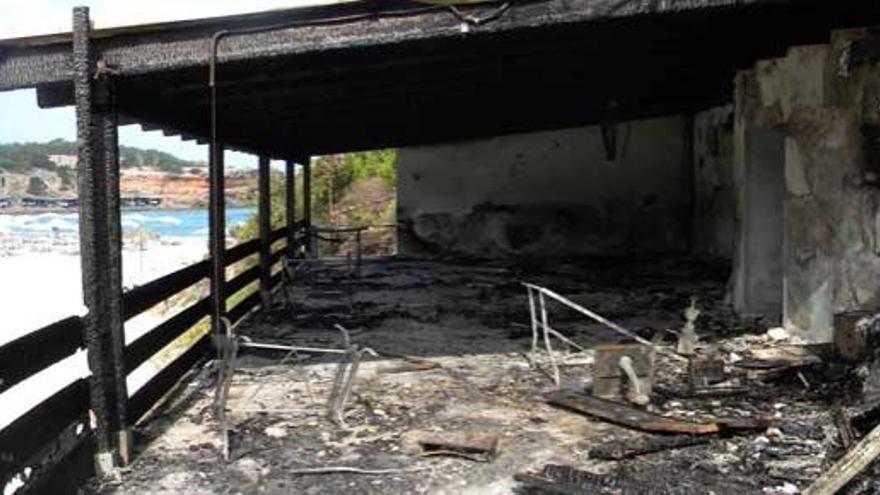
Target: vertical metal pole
pixel 217 222
pixel 290 206
pixel 100 247
pixel 307 208
pixel 265 220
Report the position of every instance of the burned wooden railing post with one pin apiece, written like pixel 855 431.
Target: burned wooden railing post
pixel 290 206
pixel 265 220
pixel 100 246
pixel 217 213
pixel 307 207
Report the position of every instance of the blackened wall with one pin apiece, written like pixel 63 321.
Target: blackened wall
pixel 549 194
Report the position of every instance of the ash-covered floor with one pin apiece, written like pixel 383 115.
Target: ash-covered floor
pixel 454 341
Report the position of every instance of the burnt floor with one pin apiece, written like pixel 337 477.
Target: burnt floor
pixel 470 321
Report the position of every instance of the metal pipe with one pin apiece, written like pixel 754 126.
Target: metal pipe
pixel 277 347
pixel 610 324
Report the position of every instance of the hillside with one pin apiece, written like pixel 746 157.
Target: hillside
pixel 24 157
pixel 49 169
pixel 347 190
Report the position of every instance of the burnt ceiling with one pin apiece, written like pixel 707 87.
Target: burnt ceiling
pixel 377 74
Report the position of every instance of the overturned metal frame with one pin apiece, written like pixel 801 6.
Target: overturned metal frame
pixel 540 325
pixel 340 392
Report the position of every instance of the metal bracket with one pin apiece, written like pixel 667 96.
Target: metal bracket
pixel 343 382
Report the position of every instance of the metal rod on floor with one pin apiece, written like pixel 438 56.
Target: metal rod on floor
pixel 277 347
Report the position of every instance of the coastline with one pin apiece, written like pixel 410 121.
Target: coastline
pixel 19 210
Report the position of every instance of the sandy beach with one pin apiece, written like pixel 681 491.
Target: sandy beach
pixel 47 285
pixel 47 288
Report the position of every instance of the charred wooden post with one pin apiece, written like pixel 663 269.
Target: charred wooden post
pixel 290 206
pixel 100 246
pixel 265 219
pixel 307 209
pixel 217 236
pixel 217 215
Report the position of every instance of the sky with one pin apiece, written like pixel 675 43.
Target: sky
pixel 22 121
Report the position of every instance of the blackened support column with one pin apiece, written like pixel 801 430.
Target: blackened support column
pixel 100 247
pixel 265 220
pixel 217 216
pixel 217 234
pixel 290 205
pixel 107 96
pixel 311 240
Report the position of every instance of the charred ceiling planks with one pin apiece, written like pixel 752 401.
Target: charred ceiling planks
pixel 376 74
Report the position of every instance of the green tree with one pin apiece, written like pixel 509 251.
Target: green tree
pixel 347 189
pixel 36 186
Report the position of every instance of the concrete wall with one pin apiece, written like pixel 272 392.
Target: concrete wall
pixel 547 194
pixel 714 208
pixel 831 198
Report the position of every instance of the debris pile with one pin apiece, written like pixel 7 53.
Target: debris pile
pixel 593 378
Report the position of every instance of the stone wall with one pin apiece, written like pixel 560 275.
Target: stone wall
pixel 548 194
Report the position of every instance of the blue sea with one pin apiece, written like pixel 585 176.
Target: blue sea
pixel 165 223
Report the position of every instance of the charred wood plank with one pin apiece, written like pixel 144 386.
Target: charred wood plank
pixel 71 469
pixel 142 298
pixel 32 432
pixel 627 416
pixel 278 234
pixel 626 449
pixel 244 307
pixel 144 348
pixel 150 394
pixel 276 256
pixel 243 279
pixel 853 462
pixel 38 350
pixel 242 251
pixel 475 447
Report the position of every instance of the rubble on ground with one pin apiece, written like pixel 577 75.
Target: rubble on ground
pixel 458 401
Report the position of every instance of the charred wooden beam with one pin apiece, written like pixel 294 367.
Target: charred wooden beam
pixel 617 450
pixel 55 95
pixel 265 220
pixel 290 204
pixel 38 350
pixel 100 247
pixel 217 234
pixel 307 208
